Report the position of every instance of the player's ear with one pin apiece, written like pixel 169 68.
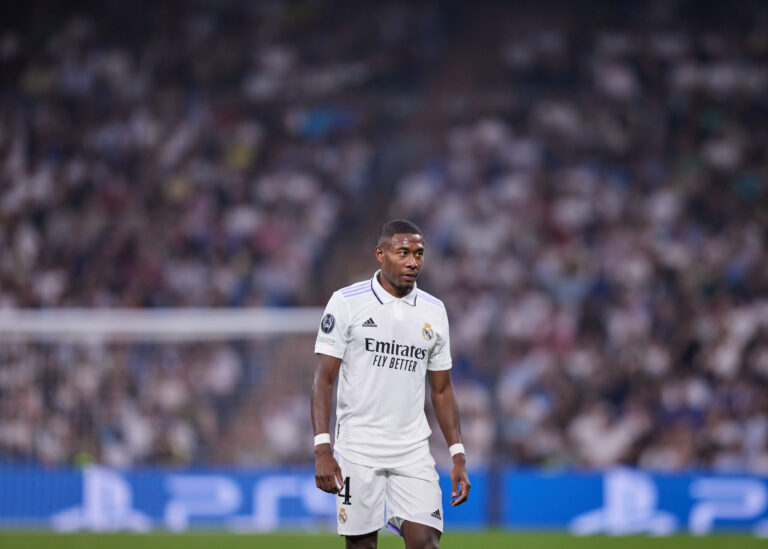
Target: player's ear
pixel 379 254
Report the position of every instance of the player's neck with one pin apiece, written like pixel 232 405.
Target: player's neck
pixel 392 289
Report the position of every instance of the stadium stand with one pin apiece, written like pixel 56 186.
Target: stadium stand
pixel 592 187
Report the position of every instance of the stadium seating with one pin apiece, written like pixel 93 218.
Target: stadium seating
pixel 592 189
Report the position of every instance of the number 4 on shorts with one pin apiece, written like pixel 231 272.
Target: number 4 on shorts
pixel 345 492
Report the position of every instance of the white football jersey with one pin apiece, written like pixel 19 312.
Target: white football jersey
pixel 386 344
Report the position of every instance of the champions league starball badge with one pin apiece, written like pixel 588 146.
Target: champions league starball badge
pixel 427 331
pixel 327 323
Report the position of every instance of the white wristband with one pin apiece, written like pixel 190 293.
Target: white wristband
pixel 323 438
pixel 457 448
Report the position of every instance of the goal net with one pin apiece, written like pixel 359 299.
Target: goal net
pixel 156 387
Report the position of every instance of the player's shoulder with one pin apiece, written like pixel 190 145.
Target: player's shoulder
pixel 355 290
pixel 429 299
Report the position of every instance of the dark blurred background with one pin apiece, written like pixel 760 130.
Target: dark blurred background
pixel 590 178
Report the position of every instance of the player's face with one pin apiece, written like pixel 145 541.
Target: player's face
pixel 401 258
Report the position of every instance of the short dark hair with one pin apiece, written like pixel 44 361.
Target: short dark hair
pixel 397 226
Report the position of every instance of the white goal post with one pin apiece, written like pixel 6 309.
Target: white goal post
pixel 187 324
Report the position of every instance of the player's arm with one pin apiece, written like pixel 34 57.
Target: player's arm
pixel 447 413
pixel 327 470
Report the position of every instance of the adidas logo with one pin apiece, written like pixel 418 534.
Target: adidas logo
pixel 436 514
pixel 369 324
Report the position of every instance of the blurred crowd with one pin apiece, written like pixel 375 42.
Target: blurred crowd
pixel 593 192
pixel 179 154
pixel 603 251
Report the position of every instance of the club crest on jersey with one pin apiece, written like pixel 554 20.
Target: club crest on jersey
pixel 342 515
pixel 327 323
pixel 427 331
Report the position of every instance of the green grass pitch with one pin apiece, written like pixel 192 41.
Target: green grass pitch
pixel 464 540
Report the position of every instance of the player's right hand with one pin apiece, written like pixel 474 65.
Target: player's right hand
pixel 327 471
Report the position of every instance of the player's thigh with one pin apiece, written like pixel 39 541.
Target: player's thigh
pixel 366 541
pixel 420 536
pixel 361 502
pixel 413 494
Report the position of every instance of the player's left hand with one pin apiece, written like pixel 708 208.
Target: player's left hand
pixel 459 481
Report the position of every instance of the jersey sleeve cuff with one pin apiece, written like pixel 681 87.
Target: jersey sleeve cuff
pixel 442 366
pixel 330 352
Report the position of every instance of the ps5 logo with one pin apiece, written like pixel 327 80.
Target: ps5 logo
pixel 631 506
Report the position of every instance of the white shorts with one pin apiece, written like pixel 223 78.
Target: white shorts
pixel 374 497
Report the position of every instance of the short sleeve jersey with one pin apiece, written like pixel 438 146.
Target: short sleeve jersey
pixel 386 345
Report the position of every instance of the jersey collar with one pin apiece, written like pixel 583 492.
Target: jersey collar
pixel 385 297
